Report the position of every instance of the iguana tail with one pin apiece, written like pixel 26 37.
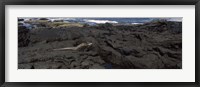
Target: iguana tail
pixel 67 48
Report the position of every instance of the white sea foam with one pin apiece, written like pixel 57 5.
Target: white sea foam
pixel 69 18
pixel 136 23
pixel 100 21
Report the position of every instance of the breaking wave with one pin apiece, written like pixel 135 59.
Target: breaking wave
pixel 100 21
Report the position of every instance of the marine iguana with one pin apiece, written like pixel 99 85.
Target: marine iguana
pixel 79 47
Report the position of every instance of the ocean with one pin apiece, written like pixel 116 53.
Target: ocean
pixel 117 20
pixel 99 20
pixel 109 20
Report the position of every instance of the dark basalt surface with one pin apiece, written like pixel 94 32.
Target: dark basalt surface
pixel 155 45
